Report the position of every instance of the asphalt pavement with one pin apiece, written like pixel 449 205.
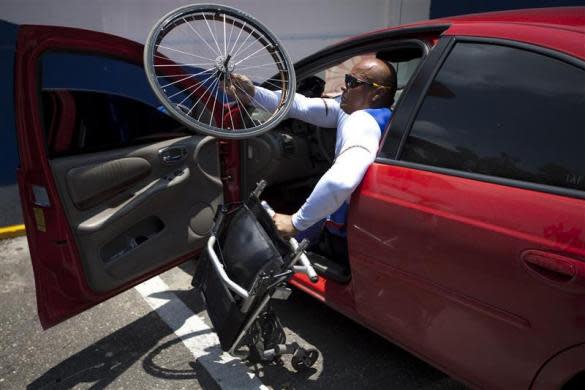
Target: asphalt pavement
pixel 131 341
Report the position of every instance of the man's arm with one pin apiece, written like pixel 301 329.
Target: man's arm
pixel 320 112
pixel 317 111
pixel 338 183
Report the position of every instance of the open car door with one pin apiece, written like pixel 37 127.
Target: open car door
pixel 113 189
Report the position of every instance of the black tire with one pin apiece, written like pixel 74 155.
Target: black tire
pixel 304 359
pixel 265 333
pixel 172 28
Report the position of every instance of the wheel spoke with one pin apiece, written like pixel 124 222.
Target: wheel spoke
pixel 237 38
pixel 240 61
pixel 211 32
pixel 224 38
pixel 223 103
pixel 196 103
pixel 199 85
pixel 259 66
pixel 247 47
pixel 243 43
pixel 214 103
pixel 200 100
pixel 185 78
pixel 230 37
pixel 252 99
pixel 215 83
pixel 167 65
pixel 171 75
pixel 200 37
pixel 184 52
pixel 271 83
pixel 229 108
pixel 240 106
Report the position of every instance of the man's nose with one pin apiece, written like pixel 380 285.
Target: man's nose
pixel 343 88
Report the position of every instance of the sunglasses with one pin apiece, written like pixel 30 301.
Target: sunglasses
pixel 352 82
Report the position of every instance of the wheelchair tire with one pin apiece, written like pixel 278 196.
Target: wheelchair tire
pixel 190 55
pixel 304 358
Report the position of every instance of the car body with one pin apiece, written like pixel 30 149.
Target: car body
pixel 466 236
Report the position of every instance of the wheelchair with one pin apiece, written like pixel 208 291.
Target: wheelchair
pixel 246 264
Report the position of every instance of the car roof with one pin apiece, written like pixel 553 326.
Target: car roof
pixel 572 18
pixel 559 29
pixel 563 18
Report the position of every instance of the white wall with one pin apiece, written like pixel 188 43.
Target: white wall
pixel 304 26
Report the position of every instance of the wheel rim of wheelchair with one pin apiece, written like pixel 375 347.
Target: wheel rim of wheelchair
pixel 190 55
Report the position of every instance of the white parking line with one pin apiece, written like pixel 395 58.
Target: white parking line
pixel 227 372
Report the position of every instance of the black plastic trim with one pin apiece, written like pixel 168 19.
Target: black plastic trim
pixel 526 46
pixel 412 98
pixel 486 178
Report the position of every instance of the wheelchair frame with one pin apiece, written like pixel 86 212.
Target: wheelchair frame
pixel 302 358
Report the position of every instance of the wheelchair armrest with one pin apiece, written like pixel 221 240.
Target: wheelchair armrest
pixel 221 272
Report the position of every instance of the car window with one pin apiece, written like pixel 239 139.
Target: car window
pixel 505 112
pixel 83 122
pixel 92 103
pixel 334 76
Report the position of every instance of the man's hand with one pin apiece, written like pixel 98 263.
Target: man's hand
pixel 240 87
pixel 284 225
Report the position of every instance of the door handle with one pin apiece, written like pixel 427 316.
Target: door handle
pixel 172 154
pixel 556 269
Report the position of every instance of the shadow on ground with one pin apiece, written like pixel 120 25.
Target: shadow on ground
pixel 147 343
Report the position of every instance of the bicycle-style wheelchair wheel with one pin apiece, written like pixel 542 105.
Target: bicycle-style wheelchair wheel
pixel 190 56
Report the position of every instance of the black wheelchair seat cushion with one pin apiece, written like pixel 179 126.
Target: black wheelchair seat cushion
pixel 249 248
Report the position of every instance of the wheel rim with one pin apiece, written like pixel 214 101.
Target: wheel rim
pixel 190 56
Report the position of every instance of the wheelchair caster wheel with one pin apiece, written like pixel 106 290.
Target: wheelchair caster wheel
pixel 304 358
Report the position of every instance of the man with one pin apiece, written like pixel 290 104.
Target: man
pixel 360 118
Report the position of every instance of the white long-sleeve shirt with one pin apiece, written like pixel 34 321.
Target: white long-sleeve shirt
pixel 357 140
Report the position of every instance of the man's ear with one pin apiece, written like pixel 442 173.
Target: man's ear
pixel 376 96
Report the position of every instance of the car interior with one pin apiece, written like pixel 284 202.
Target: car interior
pixel 293 156
pixel 134 183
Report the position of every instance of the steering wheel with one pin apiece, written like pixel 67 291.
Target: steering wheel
pixel 190 56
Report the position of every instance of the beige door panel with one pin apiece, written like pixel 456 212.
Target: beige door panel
pixel 142 211
pixel 94 184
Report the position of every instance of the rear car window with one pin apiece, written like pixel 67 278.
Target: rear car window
pixel 506 112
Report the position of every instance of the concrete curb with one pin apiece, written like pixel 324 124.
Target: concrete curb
pixel 12 231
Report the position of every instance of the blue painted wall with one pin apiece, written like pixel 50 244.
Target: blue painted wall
pixel 443 8
pixel 8 151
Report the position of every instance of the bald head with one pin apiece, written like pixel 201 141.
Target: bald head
pixel 367 95
pixel 376 71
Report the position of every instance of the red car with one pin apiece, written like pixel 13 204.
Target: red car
pixel 466 237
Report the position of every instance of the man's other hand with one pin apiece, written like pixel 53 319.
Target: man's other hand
pixel 284 225
pixel 240 87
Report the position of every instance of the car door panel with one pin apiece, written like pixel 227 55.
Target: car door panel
pixel 105 207
pixel 447 266
pixel 88 186
pixel 134 228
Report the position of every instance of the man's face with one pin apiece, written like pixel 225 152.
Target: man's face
pixel 359 96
